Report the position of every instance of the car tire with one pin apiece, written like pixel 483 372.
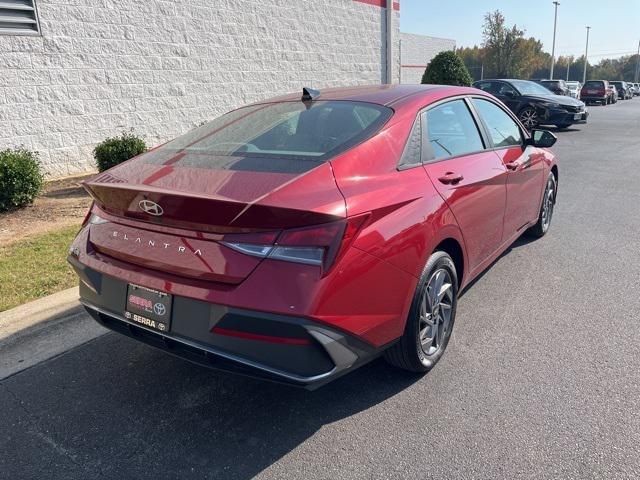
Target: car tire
pixel 546 209
pixel 426 335
pixel 529 117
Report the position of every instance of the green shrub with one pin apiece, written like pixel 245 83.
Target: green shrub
pixel 20 178
pixel 447 68
pixel 116 150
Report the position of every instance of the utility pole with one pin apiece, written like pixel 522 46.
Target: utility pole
pixel 553 48
pixel 586 53
pixel 482 71
pixel 637 76
pixel 568 65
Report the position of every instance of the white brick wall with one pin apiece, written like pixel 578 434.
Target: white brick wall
pixel 160 67
pixel 416 51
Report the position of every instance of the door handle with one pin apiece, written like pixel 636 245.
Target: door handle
pixel 450 178
pixel 512 165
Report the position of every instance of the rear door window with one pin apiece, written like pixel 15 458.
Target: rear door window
pixel 502 129
pixel 451 130
pixel 491 87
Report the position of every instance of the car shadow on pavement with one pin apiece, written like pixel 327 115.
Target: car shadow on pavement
pixel 522 241
pixel 126 410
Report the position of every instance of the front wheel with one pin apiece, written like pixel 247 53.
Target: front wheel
pixel 546 209
pixel 529 117
pixel 431 317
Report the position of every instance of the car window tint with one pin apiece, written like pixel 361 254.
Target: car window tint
pixel 413 148
pixel 503 130
pixel 451 130
pixel 293 132
pixel 506 89
pixel 491 87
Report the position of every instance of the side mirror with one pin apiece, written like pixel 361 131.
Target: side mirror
pixel 541 139
pixel 510 94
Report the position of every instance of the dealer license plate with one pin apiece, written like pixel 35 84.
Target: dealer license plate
pixel 148 307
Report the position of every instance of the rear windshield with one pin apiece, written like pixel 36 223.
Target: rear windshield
pixel 594 84
pixel 275 134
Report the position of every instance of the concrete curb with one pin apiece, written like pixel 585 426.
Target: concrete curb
pixel 23 318
pixel 42 329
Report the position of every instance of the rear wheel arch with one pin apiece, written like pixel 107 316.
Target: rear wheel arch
pixel 453 248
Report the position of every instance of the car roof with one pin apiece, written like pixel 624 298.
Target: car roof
pixel 379 94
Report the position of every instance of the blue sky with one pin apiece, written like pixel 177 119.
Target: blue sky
pixel 615 25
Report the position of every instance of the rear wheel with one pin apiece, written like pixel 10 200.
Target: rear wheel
pixel 431 317
pixel 546 209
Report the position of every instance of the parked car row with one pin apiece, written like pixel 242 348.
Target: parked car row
pixel 556 102
pixel 605 92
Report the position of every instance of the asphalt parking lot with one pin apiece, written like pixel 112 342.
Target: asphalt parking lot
pixel 541 378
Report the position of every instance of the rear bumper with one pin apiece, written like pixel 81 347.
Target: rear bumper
pixel 594 98
pixel 285 349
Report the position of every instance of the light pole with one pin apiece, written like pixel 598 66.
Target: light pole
pixel 568 65
pixel 637 76
pixel 586 52
pixel 553 48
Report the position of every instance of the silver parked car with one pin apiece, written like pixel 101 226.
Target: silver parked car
pixel 574 89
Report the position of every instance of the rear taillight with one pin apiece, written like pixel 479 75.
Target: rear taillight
pixel 96 220
pixel 319 245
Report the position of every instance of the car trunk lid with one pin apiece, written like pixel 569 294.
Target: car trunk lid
pixel 199 208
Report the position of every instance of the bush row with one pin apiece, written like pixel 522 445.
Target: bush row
pixel 21 177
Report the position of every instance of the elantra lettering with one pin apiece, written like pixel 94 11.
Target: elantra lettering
pixel 152 243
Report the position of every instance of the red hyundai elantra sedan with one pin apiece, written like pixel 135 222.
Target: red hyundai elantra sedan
pixel 297 238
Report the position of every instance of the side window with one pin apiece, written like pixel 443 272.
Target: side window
pixel 506 89
pixel 491 87
pixel 503 130
pixel 412 154
pixel 451 130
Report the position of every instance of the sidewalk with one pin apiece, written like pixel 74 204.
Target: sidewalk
pixel 42 329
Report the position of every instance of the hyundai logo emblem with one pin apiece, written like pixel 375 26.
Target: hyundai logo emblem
pixel 152 208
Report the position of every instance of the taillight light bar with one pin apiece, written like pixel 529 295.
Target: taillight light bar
pixel 319 245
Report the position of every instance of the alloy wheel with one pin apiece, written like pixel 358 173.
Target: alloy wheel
pixel 529 118
pixel 548 203
pixel 435 311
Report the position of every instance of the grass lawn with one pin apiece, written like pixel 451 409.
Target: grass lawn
pixel 36 267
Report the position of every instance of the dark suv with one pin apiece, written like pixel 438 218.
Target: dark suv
pixel 595 91
pixel 624 90
pixel 559 87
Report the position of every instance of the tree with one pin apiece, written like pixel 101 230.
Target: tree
pixel 501 46
pixel 447 68
pixel 473 58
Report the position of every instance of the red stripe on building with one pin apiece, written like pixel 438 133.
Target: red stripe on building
pixel 379 3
